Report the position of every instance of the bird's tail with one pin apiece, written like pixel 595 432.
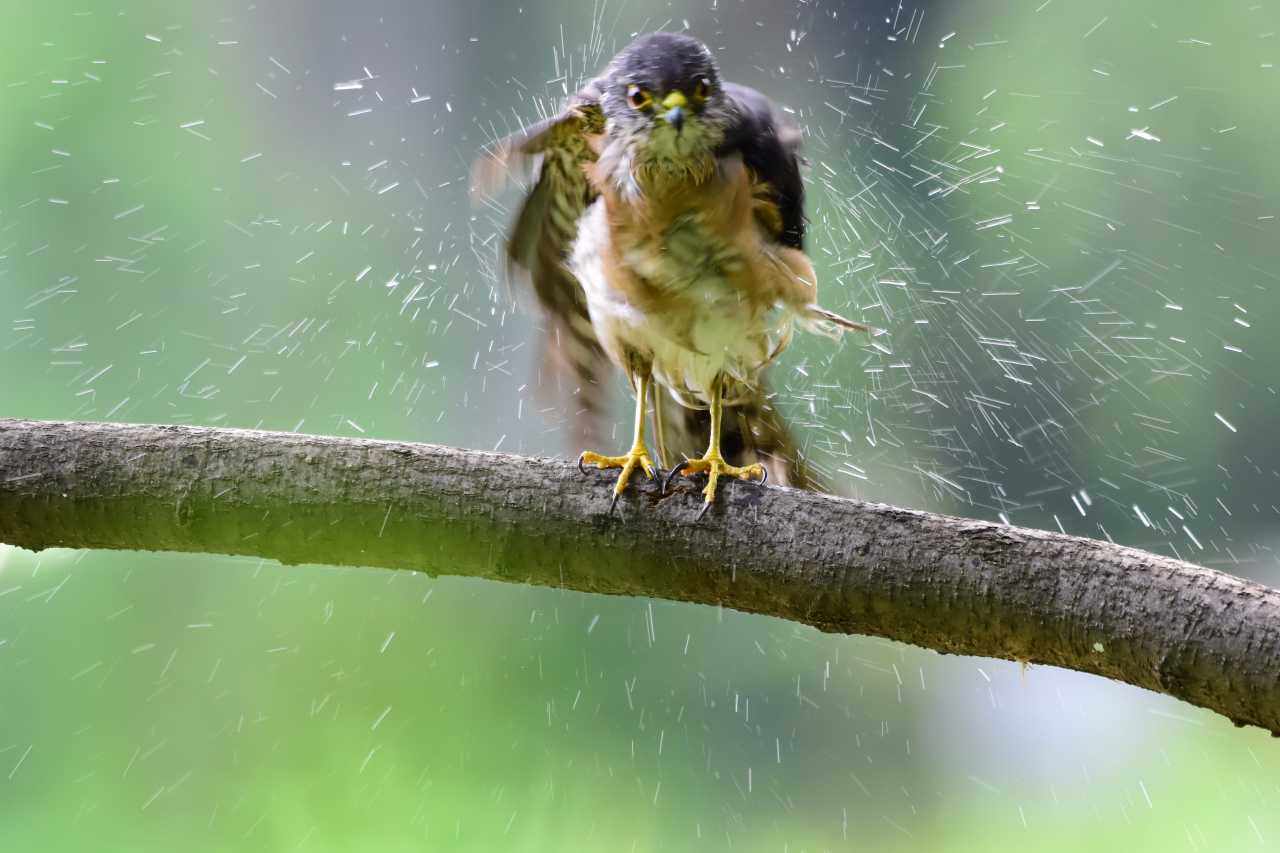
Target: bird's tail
pixel 753 430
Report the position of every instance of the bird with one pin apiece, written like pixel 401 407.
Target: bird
pixel 663 232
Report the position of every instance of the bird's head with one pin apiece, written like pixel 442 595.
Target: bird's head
pixel 665 112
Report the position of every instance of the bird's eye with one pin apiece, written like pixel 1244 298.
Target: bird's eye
pixel 701 89
pixel 638 97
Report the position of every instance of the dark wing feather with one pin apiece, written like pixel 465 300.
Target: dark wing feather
pixel 769 142
pixel 555 152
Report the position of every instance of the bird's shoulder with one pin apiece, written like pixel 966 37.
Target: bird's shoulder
pixel 768 141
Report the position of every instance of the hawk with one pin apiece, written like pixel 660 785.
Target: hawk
pixel 664 231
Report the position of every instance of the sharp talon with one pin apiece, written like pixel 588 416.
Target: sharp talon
pixel 666 483
pixel 706 506
pixel 636 458
pixel 764 475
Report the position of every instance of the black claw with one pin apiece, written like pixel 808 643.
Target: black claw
pixel 666 482
pixel 614 503
pixel 580 458
pixel 764 475
pixel 706 506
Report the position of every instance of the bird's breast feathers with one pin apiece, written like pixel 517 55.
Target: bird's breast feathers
pixel 690 278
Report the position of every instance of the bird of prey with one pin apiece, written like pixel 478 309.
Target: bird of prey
pixel 664 231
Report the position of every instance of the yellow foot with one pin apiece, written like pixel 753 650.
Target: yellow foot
pixel 637 456
pixel 714 466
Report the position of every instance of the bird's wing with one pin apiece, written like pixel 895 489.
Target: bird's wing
pixel 769 144
pixel 551 155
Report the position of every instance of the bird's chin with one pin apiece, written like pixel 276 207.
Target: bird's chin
pixel 672 158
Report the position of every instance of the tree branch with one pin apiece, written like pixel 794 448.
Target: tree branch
pixel 958 586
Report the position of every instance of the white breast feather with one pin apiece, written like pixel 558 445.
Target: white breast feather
pixel 725 336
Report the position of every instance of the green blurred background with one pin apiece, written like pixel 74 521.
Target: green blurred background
pixel 1065 214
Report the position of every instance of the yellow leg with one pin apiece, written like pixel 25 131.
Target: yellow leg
pixel 638 455
pixel 659 430
pixel 713 462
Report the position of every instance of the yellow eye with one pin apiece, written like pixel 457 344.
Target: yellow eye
pixel 701 89
pixel 638 97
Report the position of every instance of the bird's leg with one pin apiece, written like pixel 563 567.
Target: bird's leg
pixel 637 455
pixel 712 462
pixel 659 429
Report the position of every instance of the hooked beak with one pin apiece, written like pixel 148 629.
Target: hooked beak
pixel 675 118
pixel 675 103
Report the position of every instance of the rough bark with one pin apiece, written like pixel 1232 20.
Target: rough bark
pixel 950 584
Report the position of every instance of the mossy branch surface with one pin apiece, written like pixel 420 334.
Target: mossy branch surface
pixel 955 585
